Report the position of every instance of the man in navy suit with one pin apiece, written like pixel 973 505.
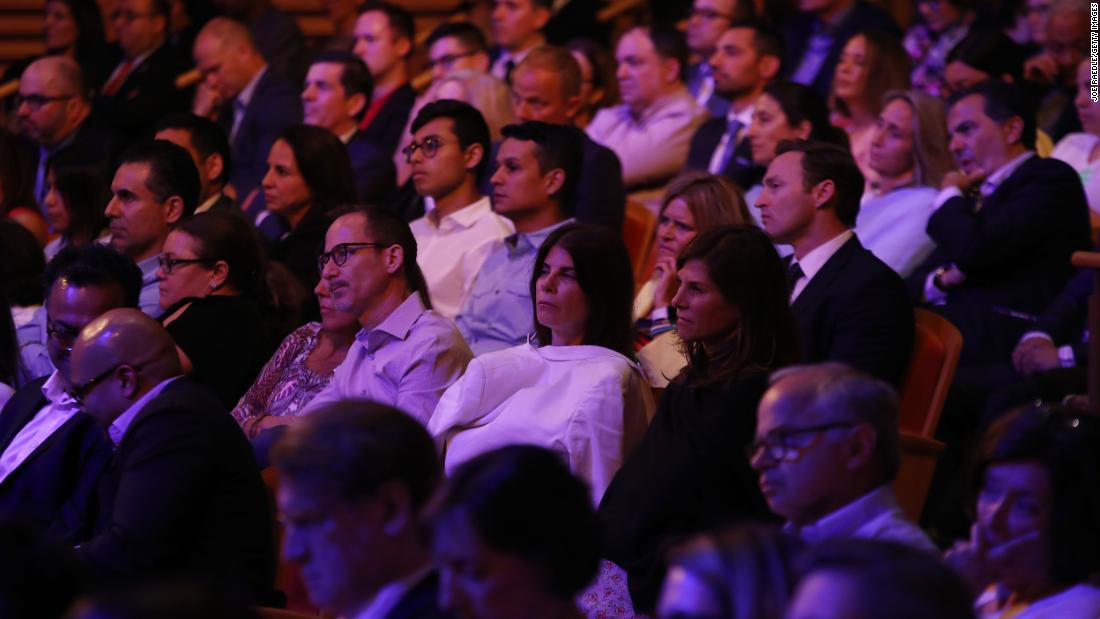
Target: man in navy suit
pixel 353 479
pixel 51 454
pixel 385 40
pixel 208 146
pixel 816 36
pixel 181 495
pixel 748 56
pixel 849 305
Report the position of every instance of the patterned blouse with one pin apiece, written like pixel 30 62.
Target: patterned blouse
pixel 285 386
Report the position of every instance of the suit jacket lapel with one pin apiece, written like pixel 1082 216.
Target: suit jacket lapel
pixel 17 417
pixel 815 290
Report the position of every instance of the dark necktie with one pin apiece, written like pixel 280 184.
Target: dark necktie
pixel 733 127
pixel 794 273
pixel 508 68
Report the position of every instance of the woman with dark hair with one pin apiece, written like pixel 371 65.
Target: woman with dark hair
pixel 74 28
pixel 308 175
pixel 689 474
pixel 21 268
pixel 514 536
pixel 17 201
pixel 575 389
pixel 1034 547
pixel 77 191
pixel 599 87
pixel 213 292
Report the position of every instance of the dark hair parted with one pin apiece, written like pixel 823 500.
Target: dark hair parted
pixel 350 448
pixel 766 41
pixel 95 265
pixel 744 266
pixel 802 104
pixel 669 43
pixel 522 500
pixel 21 264
pixel 823 161
pixel 355 77
pixel 467 123
pixel 1001 102
pixel 470 36
pixel 206 137
pixel 172 172
pixel 80 179
pixel 400 21
pixel 990 51
pixel 556 147
pixel 887 65
pixel 1067 445
pixel 603 271
pixel 324 164
pixel 387 227
pixel 229 237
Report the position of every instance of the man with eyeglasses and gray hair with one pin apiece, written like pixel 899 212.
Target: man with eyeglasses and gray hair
pixel 827 449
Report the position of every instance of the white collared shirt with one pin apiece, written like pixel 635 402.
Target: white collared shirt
pixel 122 423
pixel 389 596
pixel 451 250
pixel 46 421
pixel 812 262
pixel 875 515
pixel 745 118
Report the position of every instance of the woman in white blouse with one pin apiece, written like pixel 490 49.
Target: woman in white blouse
pixel 1082 150
pixel 574 388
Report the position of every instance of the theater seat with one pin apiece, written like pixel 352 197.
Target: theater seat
pixel 278 613
pixel 639 225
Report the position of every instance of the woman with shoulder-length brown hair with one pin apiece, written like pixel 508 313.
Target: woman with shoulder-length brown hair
pixel 688 472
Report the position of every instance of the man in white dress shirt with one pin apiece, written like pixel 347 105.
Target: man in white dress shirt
pixel 449 150
pixel 827 449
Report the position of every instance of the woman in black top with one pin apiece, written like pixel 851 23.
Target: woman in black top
pixel 690 472
pixel 213 294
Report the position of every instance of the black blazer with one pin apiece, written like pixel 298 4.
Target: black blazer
pixel 182 495
pixel 740 168
pixel 274 106
pixel 375 175
pixel 800 28
pixel 55 487
pixel 148 94
pixel 1066 317
pixel 384 130
pixel 420 602
pixel 855 310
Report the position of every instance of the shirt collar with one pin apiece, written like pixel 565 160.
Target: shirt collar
pixel 399 322
pixel 994 180
pixel 246 93
pixel 136 62
pixel 209 204
pixel 844 522
pixel 387 598
pixel 463 217
pixel 520 242
pixel 744 116
pixel 346 138
pixel 122 423
pixel 54 391
pixel 149 269
pixel 812 262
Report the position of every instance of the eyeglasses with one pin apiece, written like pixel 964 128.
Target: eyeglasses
pixel 79 392
pixel 35 102
pixel 790 445
pixel 709 14
pixel 430 146
pixel 62 333
pixel 446 60
pixel 168 264
pixel 340 253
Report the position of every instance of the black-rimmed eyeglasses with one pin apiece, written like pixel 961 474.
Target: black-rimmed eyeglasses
pixel 167 264
pixel 429 146
pixel 340 253
pixel 789 445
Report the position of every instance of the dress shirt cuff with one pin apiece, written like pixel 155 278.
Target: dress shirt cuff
pixel 1031 335
pixel 1066 358
pixel 944 195
pixel 932 292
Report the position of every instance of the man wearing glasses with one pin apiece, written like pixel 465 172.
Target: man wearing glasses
pixel 457 46
pixel 827 450
pixel 709 19
pixel 50 453
pixel 406 354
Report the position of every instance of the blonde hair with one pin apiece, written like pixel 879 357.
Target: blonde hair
pixel 490 95
pixel 713 200
pixel 931 159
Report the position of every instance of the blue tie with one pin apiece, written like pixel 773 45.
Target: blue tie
pixel 733 127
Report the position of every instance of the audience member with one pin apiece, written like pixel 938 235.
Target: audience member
pixel 456 46
pixel 1005 223
pixel 599 88
pixel 77 190
pixel 929 40
pixel 448 151
pixel 871 64
pixel 250 100
pixel 342 14
pixel 1034 544
pixel 747 57
pixel 141 88
pixel 308 176
pixel 1080 150
pixel 745 572
pixel 909 157
pixel 17 202
pixel 1052 72
pixel 707 23
pixel 276 35
pixel 517 29
pixel 983 54
pixel 361 472
pixel 156 185
pixel 384 40
pixel 21 267
pixel 538 165
pixel 850 306
pixel 208 146
pixel 651 130
pixel 54 110
pixel 53 455
pixel 855 579
pixel 12 374
pixel 528 525
pixel 181 495
pixel 546 87
pixel 828 449
pixel 337 93
pixel 72 28
pixel 593 404
pixel 816 36
pixel 213 295
pixel 405 355
pixel 694 203
pixel 687 475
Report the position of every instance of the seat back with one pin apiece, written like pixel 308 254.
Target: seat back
pixel 936 347
pixel 639 226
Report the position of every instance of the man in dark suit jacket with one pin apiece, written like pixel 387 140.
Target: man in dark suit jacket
pixel 208 146
pixel 1006 224
pixel 51 454
pixel 384 40
pixel 249 99
pixel 815 38
pixel 748 56
pixel 182 495
pixel 849 305
pixel 363 471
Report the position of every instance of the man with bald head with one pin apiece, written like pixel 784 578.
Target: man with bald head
pixel 181 495
pixel 54 109
pixel 250 99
